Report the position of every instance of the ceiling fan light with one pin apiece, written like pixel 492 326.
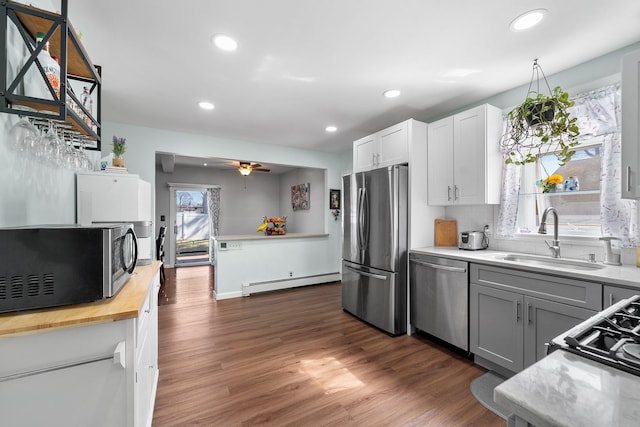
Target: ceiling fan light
pixel 244 170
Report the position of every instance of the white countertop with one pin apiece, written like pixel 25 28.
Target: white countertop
pixel 628 276
pixel 564 389
pixel 260 236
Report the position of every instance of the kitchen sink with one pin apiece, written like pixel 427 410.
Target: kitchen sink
pixel 544 261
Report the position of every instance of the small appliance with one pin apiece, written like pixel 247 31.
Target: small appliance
pixel 48 266
pixel 473 240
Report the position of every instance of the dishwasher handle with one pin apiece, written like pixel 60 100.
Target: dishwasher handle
pixel 365 273
pixel 441 267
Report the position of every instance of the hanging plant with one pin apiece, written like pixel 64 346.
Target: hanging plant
pixel 541 124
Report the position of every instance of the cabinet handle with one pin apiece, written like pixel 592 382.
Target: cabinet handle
pixel 456 192
pixel 529 317
pixel 628 178
pixel 517 311
pixel 448 192
pixel 611 300
pixel 373 159
pixel 119 354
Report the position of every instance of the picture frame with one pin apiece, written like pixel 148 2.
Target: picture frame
pixel 334 199
pixel 301 196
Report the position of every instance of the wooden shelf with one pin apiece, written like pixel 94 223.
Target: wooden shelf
pixel 78 62
pixel 563 193
pixel 75 67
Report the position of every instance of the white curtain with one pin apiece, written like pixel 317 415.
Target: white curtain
pixel 598 114
pixel 511 178
pixel 213 206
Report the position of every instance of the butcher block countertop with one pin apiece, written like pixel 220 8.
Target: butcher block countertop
pixel 125 305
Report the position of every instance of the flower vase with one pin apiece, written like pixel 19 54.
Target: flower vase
pixel 118 162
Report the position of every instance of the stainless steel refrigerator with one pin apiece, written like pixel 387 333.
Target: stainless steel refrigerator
pixel 374 250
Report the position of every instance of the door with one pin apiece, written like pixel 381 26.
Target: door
pixel 614 294
pixel 496 326
pixel 631 125
pixel 352 189
pixel 440 162
pixel 364 153
pixel 374 296
pixel 469 154
pixel 393 145
pixel 440 298
pixel 545 320
pixel 384 218
pixel 189 215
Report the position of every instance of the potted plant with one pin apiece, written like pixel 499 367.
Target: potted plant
pixel 541 124
pixel 118 150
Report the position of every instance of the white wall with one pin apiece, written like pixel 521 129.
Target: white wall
pixel 313 219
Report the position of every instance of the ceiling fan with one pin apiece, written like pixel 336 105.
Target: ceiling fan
pixel 245 168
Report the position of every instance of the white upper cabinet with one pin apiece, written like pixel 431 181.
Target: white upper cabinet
pixel 631 125
pixel 385 148
pixel 463 158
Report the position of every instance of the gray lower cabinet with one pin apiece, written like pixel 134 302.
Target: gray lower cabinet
pixel 510 324
pixel 496 326
pixel 613 294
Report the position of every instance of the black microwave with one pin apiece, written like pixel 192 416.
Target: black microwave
pixel 49 266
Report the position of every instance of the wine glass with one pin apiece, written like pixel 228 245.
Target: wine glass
pixel 50 144
pixel 23 134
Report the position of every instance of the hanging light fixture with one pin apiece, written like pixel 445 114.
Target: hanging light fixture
pixel 244 169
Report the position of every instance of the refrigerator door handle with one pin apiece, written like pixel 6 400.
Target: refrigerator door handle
pixel 359 215
pixel 364 273
pixel 365 220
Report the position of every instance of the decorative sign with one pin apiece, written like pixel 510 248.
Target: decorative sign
pixel 300 196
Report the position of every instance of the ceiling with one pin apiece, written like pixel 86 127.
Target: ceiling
pixel 302 65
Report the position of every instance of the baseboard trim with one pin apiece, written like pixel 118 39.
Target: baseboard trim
pixel 249 288
pixel 226 295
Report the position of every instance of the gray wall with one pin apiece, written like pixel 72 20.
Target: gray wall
pixel 304 221
pixel 241 208
pixel 245 200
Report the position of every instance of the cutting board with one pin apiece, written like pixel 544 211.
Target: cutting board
pixel 446 232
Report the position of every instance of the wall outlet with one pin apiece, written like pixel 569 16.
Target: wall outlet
pixel 291 274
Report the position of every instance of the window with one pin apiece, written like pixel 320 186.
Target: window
pixel 579 210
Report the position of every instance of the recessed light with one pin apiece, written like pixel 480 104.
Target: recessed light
pixel 527 20
pixel 205 105
pixel 204 164
pixel 391 93
pixel 331 128
pixel 225 42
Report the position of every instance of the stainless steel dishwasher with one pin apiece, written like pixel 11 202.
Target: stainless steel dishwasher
pixel 440 298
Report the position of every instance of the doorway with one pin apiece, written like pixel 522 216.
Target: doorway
pixel 191 226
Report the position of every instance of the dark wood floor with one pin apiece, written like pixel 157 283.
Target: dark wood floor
pixel 294 358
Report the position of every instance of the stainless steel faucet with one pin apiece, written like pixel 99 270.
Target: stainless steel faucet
pixel 554 246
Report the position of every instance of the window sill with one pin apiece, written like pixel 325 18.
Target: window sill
pixel 564 238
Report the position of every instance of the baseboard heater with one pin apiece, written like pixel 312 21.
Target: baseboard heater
pixel 249 288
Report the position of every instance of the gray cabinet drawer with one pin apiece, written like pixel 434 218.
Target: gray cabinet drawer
pixel 579 293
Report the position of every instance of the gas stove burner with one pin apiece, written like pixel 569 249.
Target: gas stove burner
pixel 632 350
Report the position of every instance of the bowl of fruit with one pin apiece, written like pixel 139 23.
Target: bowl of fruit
pixel 273 226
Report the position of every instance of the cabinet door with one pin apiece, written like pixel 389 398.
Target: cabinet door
pixel 469 156
pixel 364 153
pixel 92 394
pixel 440 162
pixel 393 145
pixel 631 125
pixel 614 294
pixel 496 326
pixel 545 320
